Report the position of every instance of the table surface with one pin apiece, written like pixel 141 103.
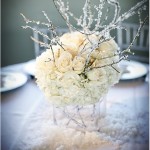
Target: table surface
pixel 17 105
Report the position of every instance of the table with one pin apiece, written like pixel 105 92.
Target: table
pixel 18 105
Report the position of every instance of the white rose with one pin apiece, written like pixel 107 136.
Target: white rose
pixel 108 48
pixel 78 64
pixel 75 37
pixel 64 62
pixel 101 62
pixel 71 48
pixel 94 39
pixel 45 62
pixel 53 53
pixel 97 74
pixel 44 66
pixel 57 50
pixel 105 49
pixel 69 79
pixel 113 74
pixel 78 38
pixel 96 54
pixel 87 43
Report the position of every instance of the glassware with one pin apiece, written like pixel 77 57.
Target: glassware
pixel 84 118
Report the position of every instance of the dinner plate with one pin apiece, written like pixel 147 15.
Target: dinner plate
pixel 30 67
pixel 132 70
pixel 12 80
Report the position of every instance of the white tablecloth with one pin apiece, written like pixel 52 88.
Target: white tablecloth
pixel 20 105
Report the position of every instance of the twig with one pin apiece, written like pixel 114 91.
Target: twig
pixel 138 32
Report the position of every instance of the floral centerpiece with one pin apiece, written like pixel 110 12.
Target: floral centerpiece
pixel 65 80
pixel 79 67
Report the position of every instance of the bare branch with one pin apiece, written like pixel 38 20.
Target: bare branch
pixel 42 44
pixel 37 31
pixel 138 32
pixel 117 9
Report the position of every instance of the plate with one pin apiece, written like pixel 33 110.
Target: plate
pixel 30 67
pixel 132 70
pixel 12 80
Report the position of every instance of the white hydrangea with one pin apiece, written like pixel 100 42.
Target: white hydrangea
pixel 63 79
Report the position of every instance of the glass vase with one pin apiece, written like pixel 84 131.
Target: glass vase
pixel 79 117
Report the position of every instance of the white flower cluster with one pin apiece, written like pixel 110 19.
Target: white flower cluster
pixel 61 74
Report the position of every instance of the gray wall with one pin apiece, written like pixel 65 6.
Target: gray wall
pixel 16 43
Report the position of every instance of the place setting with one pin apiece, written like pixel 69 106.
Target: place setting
pixel 11 80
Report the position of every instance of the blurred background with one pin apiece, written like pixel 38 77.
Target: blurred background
pixel 17 45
